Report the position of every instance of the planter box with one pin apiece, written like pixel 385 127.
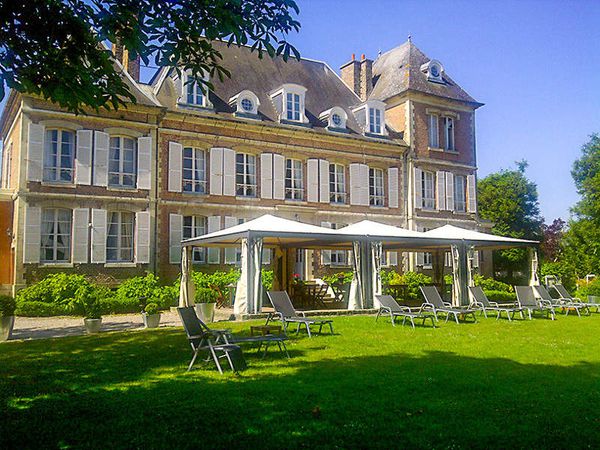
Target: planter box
pixel 92 326
pixel 205 311
pixel 151 320
pixel 6 326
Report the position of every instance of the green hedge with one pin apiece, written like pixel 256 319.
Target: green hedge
pixel 501 296
pixel 489 284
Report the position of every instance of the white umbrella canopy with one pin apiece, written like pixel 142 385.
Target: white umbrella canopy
pixel 377 229
pixel 476 238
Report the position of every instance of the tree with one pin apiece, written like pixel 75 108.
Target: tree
pixel 582 240
pixel 53 48
pixel 510 201
pixel 552 239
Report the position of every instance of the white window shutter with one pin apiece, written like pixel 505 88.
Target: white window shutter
pixel 355 184
pixel 32 235
pixel 228 172
pixel 35 152
pixel 83 160
pixel 364 188
pixel 144 161
pixel 266 175
pixel 175 167
pixel 214 254
pixel 418 186
pixel 175 238
pixel 420 259
pixel 278 177
pixel 449 191
pixel 101 143
pixel 142 237
pixel 312 180
pixel 266 256
pixel 98 236
pixel 324 181
pixel 392 258
pixel 441 190
pixel 80 239
pixel 393 186
pixel 230 252
pixel 472 193
pixel 216 171
pixel 476 259
pixel 447 259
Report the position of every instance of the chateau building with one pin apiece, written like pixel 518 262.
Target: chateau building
pixel 114 193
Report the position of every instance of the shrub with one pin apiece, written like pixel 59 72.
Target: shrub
pixel 87 302
pixel 561 270
pixel 489 284
pixel 7 306
pixel 59 288
pixel 585 289
pixel 151 309
pixel 411 279
pixel 267 279
pixel 343 277
pixel 133 294
pixel 41 309
pixel 218 282
pixel 205 295
pixel 500 296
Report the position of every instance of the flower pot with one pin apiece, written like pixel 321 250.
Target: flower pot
pixel 151 320
pixel 6 326
pixel 205 311
pixel 92 326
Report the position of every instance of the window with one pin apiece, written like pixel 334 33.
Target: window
pixel 460 201
pixel 336 120
pixel 194 226
pixel 194 170
pixel 293 179
pixel 434 132
pixel 56 235
pixel 58 156
pixel 337 183
pixel 375 120
pixel 194 94
pixel 247 105
pixel 376 196
pixel 245 174
pixel 449 133
pixel 427 257
pixel 121 161
pixel 428 190
pixel 119 237
pixel 338 257
pixel 293 107
pixel 7 166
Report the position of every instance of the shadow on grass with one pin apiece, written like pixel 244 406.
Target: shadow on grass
pixel 131 391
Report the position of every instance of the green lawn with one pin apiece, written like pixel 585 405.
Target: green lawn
pixel 496 384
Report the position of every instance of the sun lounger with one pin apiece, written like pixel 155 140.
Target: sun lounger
pixel 563 303
pixel 389 306
pixel 285 312
pixel 480 300
pixel 528 301
pixel 563 293
pixel 434 302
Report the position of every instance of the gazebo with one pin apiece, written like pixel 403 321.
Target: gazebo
pixel 367 240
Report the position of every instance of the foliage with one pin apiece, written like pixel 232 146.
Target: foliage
pixel 561 270
pixel 151 309
pixel 52 48
pixel 205 295
pixel 218 282
pixel 514 374
pixel 57 288
pixel 343 277
pixel 412 280
pixel 35 308
pixel 135 292
pixel 87 302
pixel 551 241
pixel 500 296
pixel 7 306
pixel 510 200
pixel 591 288
pixel 489 284
pixel 388 276
pixel 267 279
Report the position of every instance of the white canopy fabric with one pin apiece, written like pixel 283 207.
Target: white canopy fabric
pixel 476 238
pixel 187 288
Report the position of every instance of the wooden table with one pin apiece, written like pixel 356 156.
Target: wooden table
pixel 265 329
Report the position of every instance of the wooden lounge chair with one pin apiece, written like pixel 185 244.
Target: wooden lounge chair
pixel 389 306
pixel 479 300
pixel 563 303
pixel 434 302
pixel 285 312
pixel 200 340
pixel 528 301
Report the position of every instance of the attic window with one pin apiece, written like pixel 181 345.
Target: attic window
pixel 335 117
pixel 434 71
pixel 289 102
pixel 191 92
pixel 246 104
pixel 371 116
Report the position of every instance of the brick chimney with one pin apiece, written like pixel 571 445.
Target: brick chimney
pixel 131 65
pixel 358 76
pixel 351 74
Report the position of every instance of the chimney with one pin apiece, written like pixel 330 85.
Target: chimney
pixel 351 74
pixel 366 77
pixel 130 65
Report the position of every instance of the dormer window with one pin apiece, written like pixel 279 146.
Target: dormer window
pixel 289 102
pixel 371 116
pixel 191 92
pixel 246 104
pixel 434 71
pixel 195 96
pixel 335 117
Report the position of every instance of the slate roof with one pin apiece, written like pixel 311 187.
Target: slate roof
pixel 325 89
pixel 399 70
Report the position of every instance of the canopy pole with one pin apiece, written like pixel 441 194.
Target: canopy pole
pixel 240 307
pixel 438 270
pixel 186 284
pixel 534 279
pixel 460 277
pixel 376 254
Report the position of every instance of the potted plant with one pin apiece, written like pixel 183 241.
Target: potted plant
pixel 7 316
pixel 205 303
pixel 151 315
pixel 88 303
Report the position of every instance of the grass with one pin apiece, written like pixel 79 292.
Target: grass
pixel 532 384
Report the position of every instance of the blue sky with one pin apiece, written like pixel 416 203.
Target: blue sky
pixel 535 65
